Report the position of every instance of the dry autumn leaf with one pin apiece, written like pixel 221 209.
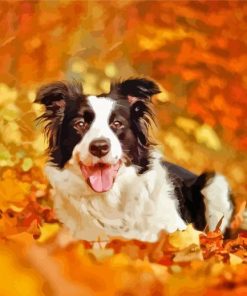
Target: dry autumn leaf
pixel 185 238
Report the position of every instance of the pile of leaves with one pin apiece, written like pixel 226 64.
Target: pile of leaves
pixel 38 257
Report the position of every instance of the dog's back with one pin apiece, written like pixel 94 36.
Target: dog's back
pixel 203 199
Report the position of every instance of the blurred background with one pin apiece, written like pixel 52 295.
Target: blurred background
pixel 195 50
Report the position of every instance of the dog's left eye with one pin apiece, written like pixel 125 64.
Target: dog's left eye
pixel 80 124
pixel 117 124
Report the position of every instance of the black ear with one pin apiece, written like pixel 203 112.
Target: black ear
pixel 140 88
pixel 57 93
pixel 55 97
pixel 52 95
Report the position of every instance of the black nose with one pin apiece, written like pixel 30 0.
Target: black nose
pixel 99 147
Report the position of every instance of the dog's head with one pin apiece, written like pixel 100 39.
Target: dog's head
pixel 98 132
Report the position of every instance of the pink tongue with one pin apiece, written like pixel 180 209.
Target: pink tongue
pixel 100 177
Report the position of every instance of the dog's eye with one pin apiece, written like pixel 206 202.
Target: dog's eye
pixel 80 124
pixel 117 124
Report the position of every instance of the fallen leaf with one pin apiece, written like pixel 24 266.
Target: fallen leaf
pixel 191 253
pixel 185 238
pixel 235 260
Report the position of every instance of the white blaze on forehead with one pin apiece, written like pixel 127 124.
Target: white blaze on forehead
pixel 102 108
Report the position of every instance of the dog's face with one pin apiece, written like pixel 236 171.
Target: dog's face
pixel 99 133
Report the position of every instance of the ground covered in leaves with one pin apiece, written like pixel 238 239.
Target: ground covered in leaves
pixel 39 258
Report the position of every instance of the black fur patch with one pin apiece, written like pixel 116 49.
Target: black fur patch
pixel 140 115
pixel 188 188
pixel 63 102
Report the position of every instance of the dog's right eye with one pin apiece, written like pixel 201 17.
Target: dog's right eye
pixel 80 124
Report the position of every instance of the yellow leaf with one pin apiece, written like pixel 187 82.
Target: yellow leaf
pixel 185 238
pixel 235 260
pixel 48 231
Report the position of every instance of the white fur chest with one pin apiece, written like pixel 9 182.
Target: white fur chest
pixel 137 206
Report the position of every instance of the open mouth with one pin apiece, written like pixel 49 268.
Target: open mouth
pixel 101 176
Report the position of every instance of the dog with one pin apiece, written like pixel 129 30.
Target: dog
pixel 109 179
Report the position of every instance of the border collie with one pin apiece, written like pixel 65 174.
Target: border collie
pixel 108 177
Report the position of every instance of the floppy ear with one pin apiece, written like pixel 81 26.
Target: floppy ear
pixel 53 96
pixel 137 88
